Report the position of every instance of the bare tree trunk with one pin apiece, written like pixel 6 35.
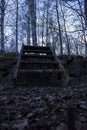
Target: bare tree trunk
pixel 43 30
pixel 16 26
pixel 28 27
pixel 32 6
pixel 77 48
pixel 85 8
pixel 60 35
pixel 83 27
pixel 2 24
pixel 47 15
pixel 64 21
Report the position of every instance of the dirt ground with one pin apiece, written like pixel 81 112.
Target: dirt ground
pixel 43 108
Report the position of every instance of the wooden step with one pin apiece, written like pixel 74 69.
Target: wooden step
pixel 37 66
pixel 37 56
pixel 38 62
pixel 39 71
pixel 31 51
pixel 36 47
pixel 39 77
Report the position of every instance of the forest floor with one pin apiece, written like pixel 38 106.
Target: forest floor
pixel 43 108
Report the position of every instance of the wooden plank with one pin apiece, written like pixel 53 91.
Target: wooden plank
pixel 38 62
pixel 36 47
pixel 37 56
pixel 39 71
pixel 37 51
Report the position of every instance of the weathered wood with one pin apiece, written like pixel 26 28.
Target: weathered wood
pixel 39 71
pixel 37 56
pixel 36 47
pixel 34 66
pixel 39 77
pixel 38 62
pixel 37 51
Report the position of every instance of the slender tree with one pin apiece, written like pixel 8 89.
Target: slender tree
pixel 83 27
pixel 64 23
pixel 32 6
pixel 28 27
pixel 2 23
pixel 47 17
pixel 85 8
pixel 43 19
pixel 58 21
pixel 16 26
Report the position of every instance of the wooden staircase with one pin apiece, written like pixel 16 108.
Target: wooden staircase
pixel 37 66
